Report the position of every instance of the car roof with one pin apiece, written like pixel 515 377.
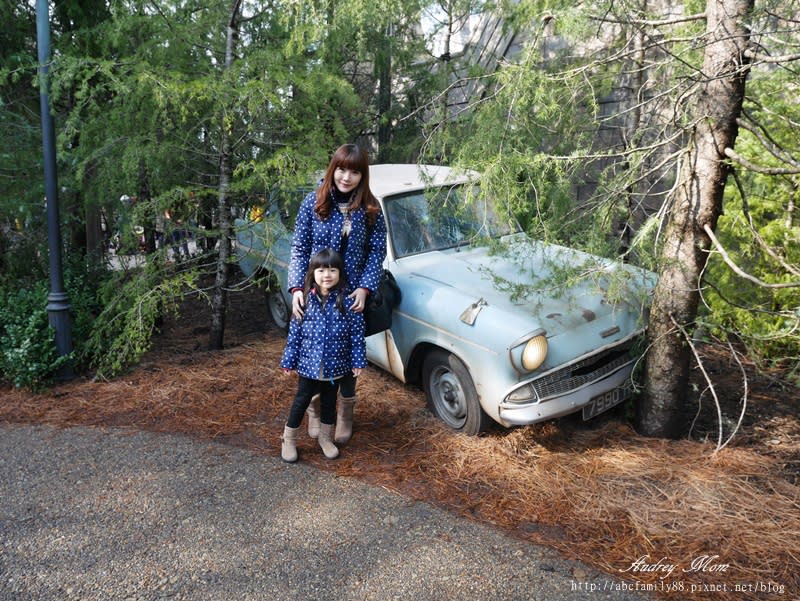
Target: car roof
pixel 388 179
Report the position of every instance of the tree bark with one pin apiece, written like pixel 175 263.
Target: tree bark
pixel 697 202
pixel 148 220
pixel 219 297
pixel 95 243
pixel 383 73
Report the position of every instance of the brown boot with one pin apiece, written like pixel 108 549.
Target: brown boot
pixel 289 444
pixel 325 442
pixel 313 416
pixel 344 419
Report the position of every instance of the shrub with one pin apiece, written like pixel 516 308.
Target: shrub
pixel 28 354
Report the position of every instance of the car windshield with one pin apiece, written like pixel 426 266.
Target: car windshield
pixel 441 218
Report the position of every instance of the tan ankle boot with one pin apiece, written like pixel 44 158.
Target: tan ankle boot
pixel 289 444
pixel 325 442
pixel 313 416
pixel 344 419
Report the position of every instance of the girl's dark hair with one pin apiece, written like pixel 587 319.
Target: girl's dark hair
pixel 327 257
pixel 348 156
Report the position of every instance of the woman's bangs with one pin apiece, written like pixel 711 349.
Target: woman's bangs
pixel 352 159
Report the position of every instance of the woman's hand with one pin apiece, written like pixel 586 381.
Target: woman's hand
pixel 357 371
pixel 297 304
pixel 360 299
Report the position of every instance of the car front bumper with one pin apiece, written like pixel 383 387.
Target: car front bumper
pixel 522 414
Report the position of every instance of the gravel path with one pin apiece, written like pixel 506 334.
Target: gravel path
pixel 114 514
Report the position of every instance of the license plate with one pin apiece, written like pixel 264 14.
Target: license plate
pixel 606 401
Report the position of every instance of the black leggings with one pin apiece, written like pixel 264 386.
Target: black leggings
pixel 307 388
pixel 347 385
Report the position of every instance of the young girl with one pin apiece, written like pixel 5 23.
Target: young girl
pixel 324 345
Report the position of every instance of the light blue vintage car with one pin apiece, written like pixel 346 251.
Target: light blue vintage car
pixel 492 325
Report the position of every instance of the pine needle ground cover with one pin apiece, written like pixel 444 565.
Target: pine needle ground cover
pixel 727 523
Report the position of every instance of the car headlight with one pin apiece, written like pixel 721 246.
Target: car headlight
pixel 527 353
pixel 534 353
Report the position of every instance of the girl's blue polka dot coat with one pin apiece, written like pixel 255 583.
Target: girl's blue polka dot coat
pixel 363 259
pixel 327 343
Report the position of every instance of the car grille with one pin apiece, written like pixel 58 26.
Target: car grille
pixel 583 372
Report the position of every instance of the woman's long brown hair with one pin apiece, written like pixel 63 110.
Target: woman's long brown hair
pixel 348 156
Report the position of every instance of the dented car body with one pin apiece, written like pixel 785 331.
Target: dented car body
pixel 493 325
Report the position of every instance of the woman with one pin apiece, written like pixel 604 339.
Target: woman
pixel 341 214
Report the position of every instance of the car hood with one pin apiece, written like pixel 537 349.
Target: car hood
pixel 539 285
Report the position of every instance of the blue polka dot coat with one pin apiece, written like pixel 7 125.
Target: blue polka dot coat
pixel 363 259
pixel 327 343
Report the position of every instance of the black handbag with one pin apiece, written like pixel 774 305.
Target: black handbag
pixel 380 304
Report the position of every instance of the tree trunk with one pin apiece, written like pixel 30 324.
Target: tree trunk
pixel 148 220
pixel 383 73
pixel 697 203
pixel 95 243
pixel 219 297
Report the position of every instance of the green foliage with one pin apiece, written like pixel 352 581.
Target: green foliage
pixel 766 320
pixel 20 149
pixel 114 315
pixel 531 152
pixel 28 354
pixel 545 139
pixel 24 255
pixel 143 107
pixel 83 279
pixel 760 214
pixel 134 303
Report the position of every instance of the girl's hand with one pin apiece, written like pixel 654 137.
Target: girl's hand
pixel 357 371
pixel 297 304
pixel 286 371
pixel 360 296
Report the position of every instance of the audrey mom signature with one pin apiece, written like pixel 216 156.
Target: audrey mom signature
pixel 701 563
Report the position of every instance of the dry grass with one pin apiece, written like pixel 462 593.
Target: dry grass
pixel 600 494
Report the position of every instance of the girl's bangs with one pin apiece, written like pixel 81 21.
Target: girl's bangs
pixel 326 259
pixel 327 264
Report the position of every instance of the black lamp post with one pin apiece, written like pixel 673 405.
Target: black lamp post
pixel 58 308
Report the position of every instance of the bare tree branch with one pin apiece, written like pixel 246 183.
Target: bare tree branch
pixel 745 384
pixel 745 391
pixel 761 242
pixel 757 57
pixel 767 142
pixel 768 110
pixel 738 270
pixel 734 156
pixel 706 377
pixel 652 23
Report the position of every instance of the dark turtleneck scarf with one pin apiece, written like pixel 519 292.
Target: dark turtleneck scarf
pixel 340 197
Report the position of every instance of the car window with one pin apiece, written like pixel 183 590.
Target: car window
pixel 442 218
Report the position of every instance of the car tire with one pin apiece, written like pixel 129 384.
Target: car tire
pixel 280 312
pixel 451 394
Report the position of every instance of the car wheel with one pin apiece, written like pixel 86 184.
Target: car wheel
pixel 280 312
pixel 451 393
